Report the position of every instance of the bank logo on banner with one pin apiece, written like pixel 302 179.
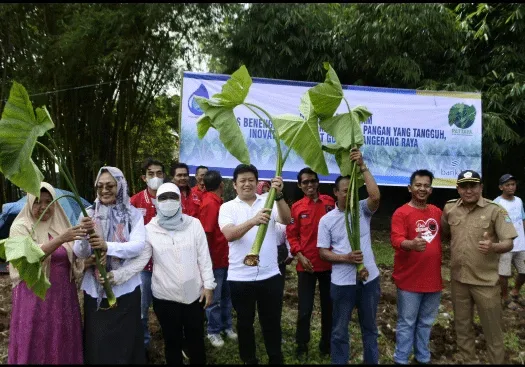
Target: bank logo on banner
pixel 192 103
pixel 462 116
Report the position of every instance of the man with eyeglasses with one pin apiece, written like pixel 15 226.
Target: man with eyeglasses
pixel 416 238
pixel 302 236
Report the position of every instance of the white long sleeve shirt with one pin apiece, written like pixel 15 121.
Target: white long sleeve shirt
pixel 122 250
pixel 182 262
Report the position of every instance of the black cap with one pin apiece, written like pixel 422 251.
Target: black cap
pixel 468 176
pixel 505 178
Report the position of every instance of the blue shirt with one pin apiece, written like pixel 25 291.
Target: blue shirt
pixel 332 233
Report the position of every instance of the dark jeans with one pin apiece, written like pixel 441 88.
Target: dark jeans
pixel 265 295
pixel 175 319
pixel 365 297
pixel 306 289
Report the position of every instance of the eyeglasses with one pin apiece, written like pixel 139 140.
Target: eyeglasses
pixel 108 187
pixel 307 182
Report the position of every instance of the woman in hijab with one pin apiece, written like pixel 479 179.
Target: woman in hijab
pixel 50 331
pixel 182 276
pixel 263 187
pixel 112 336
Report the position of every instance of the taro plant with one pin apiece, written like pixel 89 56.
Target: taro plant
pixel 20 127
pixel 297 133
pixel 346 129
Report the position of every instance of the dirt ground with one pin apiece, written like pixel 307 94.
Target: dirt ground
pixel 442 345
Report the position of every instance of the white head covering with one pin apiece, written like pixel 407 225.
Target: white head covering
pixel 174 223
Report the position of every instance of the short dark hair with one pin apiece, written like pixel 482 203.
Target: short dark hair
pixel 421 173
pixel 179 165
pixel 339 179
pixel 307 170
pixel 151 162
pixel 212 180
pixel 243 168
pixel 200 167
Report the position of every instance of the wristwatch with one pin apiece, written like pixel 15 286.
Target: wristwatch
pixel 279 196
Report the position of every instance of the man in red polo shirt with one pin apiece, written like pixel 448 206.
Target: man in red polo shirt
pixel 190 202
pixel 145 202
pixel 219 313
pixel 416 238
pixel 302 235
pixel 199 189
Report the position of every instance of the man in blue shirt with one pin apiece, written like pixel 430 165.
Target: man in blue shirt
pixel 346 291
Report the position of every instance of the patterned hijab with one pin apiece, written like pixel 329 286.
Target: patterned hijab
pixel 113 221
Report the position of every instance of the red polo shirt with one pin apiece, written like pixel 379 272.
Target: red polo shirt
pixel 197 191
pixel 209 217
pixel 190 203
pixel 302 232
pixel 142 201
pixel 417 271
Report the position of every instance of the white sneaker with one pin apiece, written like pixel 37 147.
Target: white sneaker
pixel 230 334
pixel 215 340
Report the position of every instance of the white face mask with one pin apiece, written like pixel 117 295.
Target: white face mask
pixel 169 207
pixel 155 182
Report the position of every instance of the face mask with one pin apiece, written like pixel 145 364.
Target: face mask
pixel 154 183
pixel 169 208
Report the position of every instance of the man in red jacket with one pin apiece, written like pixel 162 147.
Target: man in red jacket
pixel 416 238
pixel 302 236
pixel 219 313
pixel 190 202
pixel 199 189
pixel 145 202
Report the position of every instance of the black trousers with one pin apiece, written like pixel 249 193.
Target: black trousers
pixel 177 320
pixel 306 288
pixel 265 295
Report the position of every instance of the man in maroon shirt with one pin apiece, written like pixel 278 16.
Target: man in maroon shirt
pixel 219 313
pixel 416 238
pixel 189 201
pixel 199 189
pixel 145 202
pixel 302 236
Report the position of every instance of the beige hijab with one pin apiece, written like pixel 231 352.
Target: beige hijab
pixel 54 226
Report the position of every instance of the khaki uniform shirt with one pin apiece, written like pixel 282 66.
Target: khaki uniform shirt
pixel 468 265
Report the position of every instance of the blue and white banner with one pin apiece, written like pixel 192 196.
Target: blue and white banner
pixel 408 130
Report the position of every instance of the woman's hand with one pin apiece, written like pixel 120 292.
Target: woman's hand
pixel 73 233
pixel 92 260
pixel 206 294
pixel 110 275
pixel 87 223
pixel 97 242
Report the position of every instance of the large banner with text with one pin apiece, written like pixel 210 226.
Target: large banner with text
pixel 408 130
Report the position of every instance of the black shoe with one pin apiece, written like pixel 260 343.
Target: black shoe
pixel 302 350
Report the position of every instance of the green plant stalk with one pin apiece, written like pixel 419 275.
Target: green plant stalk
pixel 112 301
pixel 252 259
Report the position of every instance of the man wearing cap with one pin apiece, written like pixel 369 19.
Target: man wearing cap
pixel 514 206
pixel 479 231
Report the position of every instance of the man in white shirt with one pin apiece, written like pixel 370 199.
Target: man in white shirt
pixel 259 286
pixel 514 206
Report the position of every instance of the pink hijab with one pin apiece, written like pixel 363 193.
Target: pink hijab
pixel 260 186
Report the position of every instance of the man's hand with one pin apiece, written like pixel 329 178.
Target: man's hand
pixel 355 155
pixel 97 242
pixel 486 245
pixel 307 265
pixel 206 294
pixel 277 183
pixel 419 244
pixel 355 257
pixel 262 216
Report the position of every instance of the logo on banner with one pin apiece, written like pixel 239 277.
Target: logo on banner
pixel 461 116
pixel 192 103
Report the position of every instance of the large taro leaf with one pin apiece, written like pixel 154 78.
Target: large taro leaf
pixel 25 256
pixel 302 135
pixel 342 157
pixel 223 120
pixel 19 130
pixel 346 128
pixel 326 97
pixel 236 89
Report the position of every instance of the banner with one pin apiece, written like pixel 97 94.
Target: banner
pixel 408 130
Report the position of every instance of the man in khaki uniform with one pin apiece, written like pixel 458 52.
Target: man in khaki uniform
pixel 479 231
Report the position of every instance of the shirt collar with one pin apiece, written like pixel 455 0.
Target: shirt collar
pixel 258 197
pixel 213 196
pixel 481 202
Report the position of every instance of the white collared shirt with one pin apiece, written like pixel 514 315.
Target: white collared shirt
pixel 122 250
pixel 181 262
pixel 237 212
